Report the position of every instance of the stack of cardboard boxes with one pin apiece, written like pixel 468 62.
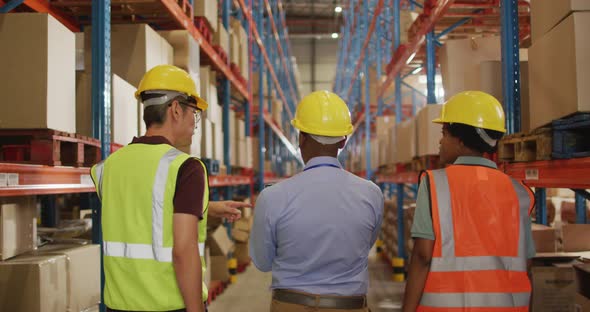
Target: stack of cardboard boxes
pixel 239 47
pixel 218 245
pixel 558 253
pixel 241 234
pixel 128 65
pixel 558 66
pixel 50 278
pixel 389 228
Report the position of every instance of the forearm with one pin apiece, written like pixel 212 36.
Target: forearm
pixel 187 265
pixel 418 272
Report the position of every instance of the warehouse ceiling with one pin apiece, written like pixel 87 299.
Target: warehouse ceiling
pixel 313 17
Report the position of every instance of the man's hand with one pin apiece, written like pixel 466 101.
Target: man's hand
pixel 227 209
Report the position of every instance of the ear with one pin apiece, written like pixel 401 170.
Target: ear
pixel 342 143
pixel 302 138
pixel 176 110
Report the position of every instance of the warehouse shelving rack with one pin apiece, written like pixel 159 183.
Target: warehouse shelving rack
pixel 510 18
pixel 265 24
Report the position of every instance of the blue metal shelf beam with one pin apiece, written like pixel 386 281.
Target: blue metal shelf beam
pixel 511 63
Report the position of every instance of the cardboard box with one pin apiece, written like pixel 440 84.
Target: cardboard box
pixel 219 242
pixel 240 236
pixel 242 252
pixel 218 152
pixel 234 44
pixel 249 153
pixel 460 61
pixel 206 139
pixel 392 147
pixel 18 226
pixel 256 153
pixel 582 304
pixel 244 224
pixel 384 125
pixel 575 237
pixel 560 71
pixel 583 279
pixel 429 133
pixel 546 14
pixel 491 82
pixel 405 148
pixel 125 113
pixel 221 37
pixel 82 273
pixel 135 49
pixel 554 289
pixel 207 9
pixel 240 52
pixel 38 62
pixel 186 50
pixel 206 82
pixel 195 148
pixel 219 269
pixel 242 159
pixel 34 283
pixel 544 237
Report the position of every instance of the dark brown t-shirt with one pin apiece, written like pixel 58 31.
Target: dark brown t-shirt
pixel 190 183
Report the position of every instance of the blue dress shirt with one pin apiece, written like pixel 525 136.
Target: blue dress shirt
pixel 315 229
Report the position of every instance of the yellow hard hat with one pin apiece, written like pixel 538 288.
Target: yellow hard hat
pixel 323 113
pixel 474 108
pixel 170 78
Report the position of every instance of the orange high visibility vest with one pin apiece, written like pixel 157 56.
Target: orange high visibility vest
pixel 479 260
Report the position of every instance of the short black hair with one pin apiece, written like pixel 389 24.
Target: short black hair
pixel 471 139
pixel 156 114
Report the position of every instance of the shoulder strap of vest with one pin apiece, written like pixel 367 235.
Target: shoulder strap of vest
pixel 529 191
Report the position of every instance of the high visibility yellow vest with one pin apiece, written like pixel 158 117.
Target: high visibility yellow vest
pixel 136 186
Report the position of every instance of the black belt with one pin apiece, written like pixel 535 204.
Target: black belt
pixel 317 301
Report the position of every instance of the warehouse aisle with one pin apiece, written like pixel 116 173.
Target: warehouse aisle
pixel 251 292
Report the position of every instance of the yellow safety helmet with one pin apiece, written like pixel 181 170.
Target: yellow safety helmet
pixel 170 78
pixel 474 108
pixel 323 113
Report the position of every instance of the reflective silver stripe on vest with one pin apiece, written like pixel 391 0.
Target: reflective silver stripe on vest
pixel 445 214
pixel 142 251
pixel 202 249
pixel 474 300
pixel 158 191
pixel 480 263
pixel 99 169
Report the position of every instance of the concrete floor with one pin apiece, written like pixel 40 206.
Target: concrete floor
pixel 251 292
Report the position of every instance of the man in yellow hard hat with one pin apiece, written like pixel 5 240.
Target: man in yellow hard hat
pixel 315 229
pixel 472 228
pixel 155 201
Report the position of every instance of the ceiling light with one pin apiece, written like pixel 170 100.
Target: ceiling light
pixel 334 35
pixel 338 9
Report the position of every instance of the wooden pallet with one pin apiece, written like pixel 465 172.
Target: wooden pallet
pixel 570 136
pixel 523 147
pixel 48 147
